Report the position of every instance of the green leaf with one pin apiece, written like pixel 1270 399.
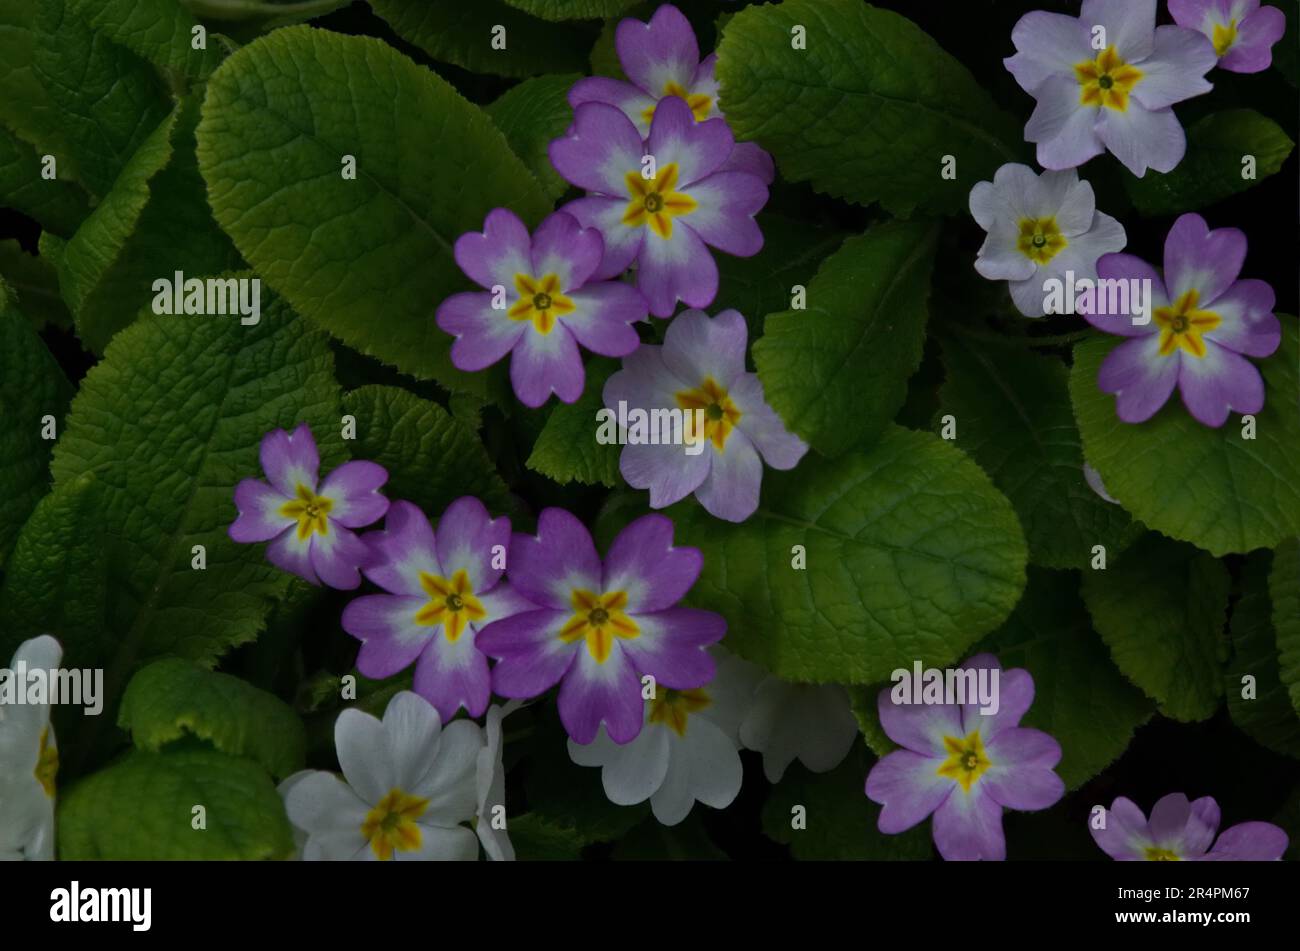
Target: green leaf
pixel 867 112
pixel 840 819
pixel 453 31
pixel 567 450
pixel 35 283
pixel 1206 486
pixel 837 372
pixel 206 390
pixel 1079 696
pixel 652 841
pixel 1161 608
pixel 432 458
pixel 57 205
pixel 1284 590
pixel 532 114
pixel 142 808
pixel 158 30
pixel 1012 411
pixel 538 839
pixel 32 387
pixel 74 94
pixel 912 554
pixel 573 9
pixel 1212 169
pixel 368 259
pixel 172 698
pixel 154 223
pixel 1267 716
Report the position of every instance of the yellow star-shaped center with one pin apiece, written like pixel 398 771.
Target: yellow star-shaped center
pixel 1225 34
pixel 700 104
pixel 673 708
pixel 391 827
pixel 720 414
pixel 656 201
pixel 310 510
pixel 966 760
pixel 451 603
pixel 540 301
pixel 1182 325
pixel 1106 81
pixel 598 619
pixel 1040 239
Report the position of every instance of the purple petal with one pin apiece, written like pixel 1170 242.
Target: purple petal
pixel 1139 376
pixel 290 460
pixel 625 97
pixel 735 477
pixel 1119 319
pixel 643 563
pixel 780 448
pixel 1015 695
pixel 698 149
pixel 920 727
pixel 1194 14
pixel 671 646
pixel 677 268
pixel 909 787
pixel 1130 25
pixel 1185 828
pixel 967 827
pixel 259 517
pixel 531 657
pixel 501 602
pixel 290 553
pixel 598 150
pixel 495 255
pixel 545 568
pixel 724 219
pixel 660 52
pixel 594 692
pixel 1249 842
pixel 751 158
pixel 622 242
pixel 1047 44
pixel 1064 129
pixel 604 315
pixel 402 550
pixel 385 624
pixel 337 557
pixel 666 470
pixel 1126 836
pixel 1219 383
pixel 483 334
pixel 1256 34
pixel 354 489
pixel 1248 325
pixel 466 537
pixel 454 675
pixel 697 348
pixel 546 363
pixel 1199 259
pixel 1176 69
pixel 1021 776
pixel 563 247
pixel 1143 138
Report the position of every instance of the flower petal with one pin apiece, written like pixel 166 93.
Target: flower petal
pixel 698 149
pixel 643 563
pixel 531 657
pixel 1176 68
pixel 1143 138
pixel 1130 25
pixel 630 773
pixel 543 364
pixel 603 317
pixel 1125 836
pixel 290 460
pixel 1021 776
pixel 697 347
pixel 909 787
pixel 679 267
pixel 1047 44
pixel 1219 383
pixel 724 218
pixel 735 477
pixel 704 766
pixel 548 566
pixel 1014 696
pixel 403 550
pixel 451 675
pixel 659 52
pixel 260 518
pixel 496 254
pixel 1064 129
pixel 920 727
pixel 385 624
pixel 1114 312
pixel 1249 842
pixel 337 556
pixel 483 333
pixel 1248 324
pixel 593 693
pixel 627 98
pixel 751 158
pixel 1253 51
pixel 466 538
pixel 780 448
pixel 563 247
pixel 598 150
pixel 364 755
pixel 1139 376
pixel 967 827
pixel 1202 260
pixel 622 242
pixel 670 646
pixel 354 489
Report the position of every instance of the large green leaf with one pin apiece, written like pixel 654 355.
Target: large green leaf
pixel 1079 696
pixel 911 554
pixel 1161 608
pixel 57 205
pixel 837 371
pixel 867 111
pixel 1207 486
pixel 143 808
pixel 173 698
pixel 32 386
pixel 1012 411
pixel 432 457
pixel 454 31
pixel 532 114
pixel 1267 715
pixel 1212 169
pixel 566 449
pixel 368 259
pixel 573 9
pixel 1284 590
pixel 159 30
pixel 35 284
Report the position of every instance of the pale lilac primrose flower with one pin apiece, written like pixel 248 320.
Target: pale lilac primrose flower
pixel 1041 228
pixel 662 58
pixel 1243 32
pixel 1118 96
pixel 29 762
pixel 964 767
pixel 407 792
pixel 540 303
pixel 688 750
pixel 701 366
pixel 1182 831
pixel 812 723
pixel 490 820
pixel 443 588
pixel 1203 324
pixel 309 523
pixel 597 629
pixel 663 216
pixel 299 833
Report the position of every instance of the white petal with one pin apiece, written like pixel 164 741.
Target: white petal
pixel 731 693
pixel 450 782
pixel 813 722
pixel 704 766
pixel 363 753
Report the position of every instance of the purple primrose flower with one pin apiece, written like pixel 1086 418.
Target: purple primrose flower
pixel 1243 32
pixel 1180 830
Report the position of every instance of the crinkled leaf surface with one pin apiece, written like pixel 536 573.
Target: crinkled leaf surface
pixel 566 449
pixel 159 30
pixel 1267 714
pixel 573 9
pixel 531 115
pixel 58 205
pixel 34 282
pixel 1284 589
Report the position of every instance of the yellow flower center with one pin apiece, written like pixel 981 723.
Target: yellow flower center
pixel 1154 854
pixel 1040 239
pixel 1182 325
pixel 700 104
pixel 672 708
pixel 451 604
pixel 1224 36
pixel 391 826
pixel 720 413
pixel 540 301
pixel 47 764
pixel 966 761
pixel 655 201
pixel 598 619
pixel 1106 81
pixel 310 510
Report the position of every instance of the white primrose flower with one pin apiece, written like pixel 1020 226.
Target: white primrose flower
pixel 491 786
pixel 408 788
pixel 813 723
pixel 29 761
pixel 688 750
